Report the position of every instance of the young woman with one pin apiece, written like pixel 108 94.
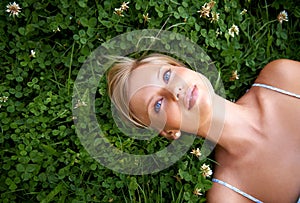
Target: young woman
pixel 258 148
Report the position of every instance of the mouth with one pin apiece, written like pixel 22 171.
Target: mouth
pixel 191 97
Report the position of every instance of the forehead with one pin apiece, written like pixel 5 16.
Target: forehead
pixel 144 76
pixel 142 85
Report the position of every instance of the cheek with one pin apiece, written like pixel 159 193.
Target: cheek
pixel 174 116
pixel 169 118
pixel 187 73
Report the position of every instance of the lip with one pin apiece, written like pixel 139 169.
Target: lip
pixel 191 97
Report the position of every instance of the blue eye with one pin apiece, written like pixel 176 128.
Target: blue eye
pixel 166 76
pixel 157 106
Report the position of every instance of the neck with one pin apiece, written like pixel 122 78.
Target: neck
pixel 228 123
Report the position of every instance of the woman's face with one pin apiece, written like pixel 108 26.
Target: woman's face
pixel 168 97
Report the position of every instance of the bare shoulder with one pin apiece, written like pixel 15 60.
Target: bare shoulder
pixel 219 193
pixel 280 68
pixel 281 73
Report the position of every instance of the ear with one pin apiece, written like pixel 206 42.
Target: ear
pixel 164 133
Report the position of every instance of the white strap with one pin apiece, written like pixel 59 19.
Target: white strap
pixel 277 90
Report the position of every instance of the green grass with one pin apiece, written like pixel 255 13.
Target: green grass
pixel 41 156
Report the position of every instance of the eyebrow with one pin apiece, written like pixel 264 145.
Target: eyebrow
pixel 158 73
pixel 148 106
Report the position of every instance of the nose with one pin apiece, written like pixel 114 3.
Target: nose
pixel 176 92
pixel 175 87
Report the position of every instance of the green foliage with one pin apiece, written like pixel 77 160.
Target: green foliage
pixel 42 50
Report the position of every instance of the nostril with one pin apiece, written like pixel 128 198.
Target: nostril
pixel 178 93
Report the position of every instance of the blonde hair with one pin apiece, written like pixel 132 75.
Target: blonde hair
pixel 117 80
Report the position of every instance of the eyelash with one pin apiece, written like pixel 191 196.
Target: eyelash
pixel 157 105
pixel 167 74
pixel 166 78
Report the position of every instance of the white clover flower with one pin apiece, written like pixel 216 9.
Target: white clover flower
pixel 206 171
pixel 119 12
pixel 218 32
pixel 13 9
pixel 196 152
pixel 3 99
pixel 214 17
pixel 282 16
pixel 244 11
pixel 206 8
pixel 32 53
pixel 234 76
pixel 124 6
pixel 211 4
pixel 197 192
pixel 56 30
pixel 146 18
pixel 204 12
pixel 80 104
pixel 233 30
